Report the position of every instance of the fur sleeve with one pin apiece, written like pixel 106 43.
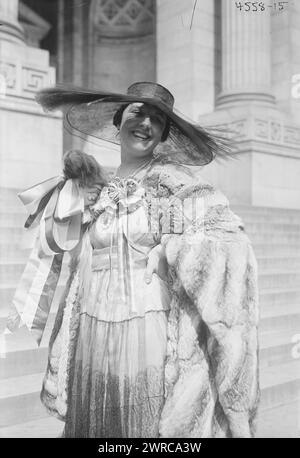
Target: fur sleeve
pixel 215 265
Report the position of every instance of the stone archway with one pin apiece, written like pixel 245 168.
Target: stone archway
pixel 121 43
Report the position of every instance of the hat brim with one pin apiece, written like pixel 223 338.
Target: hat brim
pixel 91 113
pixel 185 143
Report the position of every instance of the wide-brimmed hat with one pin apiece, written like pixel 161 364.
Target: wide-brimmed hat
pixel 91 112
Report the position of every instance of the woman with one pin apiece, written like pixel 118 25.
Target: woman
pixel 156 335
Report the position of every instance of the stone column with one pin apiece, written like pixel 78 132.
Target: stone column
pixel 185 45
pixel 30 140
pixel 286 59
pixel 10 28
pixel 73 52
pixel 246 55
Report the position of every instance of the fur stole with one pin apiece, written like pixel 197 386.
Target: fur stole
pixel 211 375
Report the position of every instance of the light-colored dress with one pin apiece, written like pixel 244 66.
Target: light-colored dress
pixel 113 375
pixel 116 377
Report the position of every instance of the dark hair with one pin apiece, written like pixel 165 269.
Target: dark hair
pixel 118 118
pixel 83 167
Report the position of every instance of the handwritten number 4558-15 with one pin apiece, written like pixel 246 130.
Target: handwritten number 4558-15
pixel 259 6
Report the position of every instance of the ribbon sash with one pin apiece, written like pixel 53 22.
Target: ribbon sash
pixel 34 295
pixel 58 205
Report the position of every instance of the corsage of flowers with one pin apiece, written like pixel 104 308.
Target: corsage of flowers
pixel 119 194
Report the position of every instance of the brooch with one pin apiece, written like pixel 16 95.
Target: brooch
pixel 120 192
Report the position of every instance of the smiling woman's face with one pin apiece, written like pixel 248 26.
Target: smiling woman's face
pixel 141 128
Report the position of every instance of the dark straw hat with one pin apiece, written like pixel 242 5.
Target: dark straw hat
pixel 92 113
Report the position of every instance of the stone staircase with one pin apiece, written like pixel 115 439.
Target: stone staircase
pixel 276 238
pixel 21 372
pixel 275 234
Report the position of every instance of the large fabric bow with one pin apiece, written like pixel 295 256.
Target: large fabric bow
pixel 56 206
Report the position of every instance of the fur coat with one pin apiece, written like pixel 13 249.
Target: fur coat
pixel 211 371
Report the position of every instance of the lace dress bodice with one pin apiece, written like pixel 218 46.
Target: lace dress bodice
pixel 121 240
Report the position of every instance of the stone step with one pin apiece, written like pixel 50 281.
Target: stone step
pixel 276 249
pixel 274 356
pixel 7 211
pixel 277 323
pixel 17 253
pixel 279 422
pixel 280 384
pixel 278 279
pixel 24 362
pixel 276 348
pixel 21 339
pixel 274 288
pixel 254 227
pixel 13 253
pixel 11 272
pixel 11 206
pixel 272 301
pixel 13 219
pixel 24 357
pixel 278 263
pixel 48 427
pixel 9 196
pixel 278 311
pixel 260 218
pixel 17 236
pixel 14 235
pixel 19 399
pixel 7 293
pixel 9 255
pixel 8 192
pixel 11 216
pixel 255 210
pixel 276 328
pixel 9 200
pixel 278 297
pixel 19 396
pixel 275 237
pixel 264 218
pixel 265 210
